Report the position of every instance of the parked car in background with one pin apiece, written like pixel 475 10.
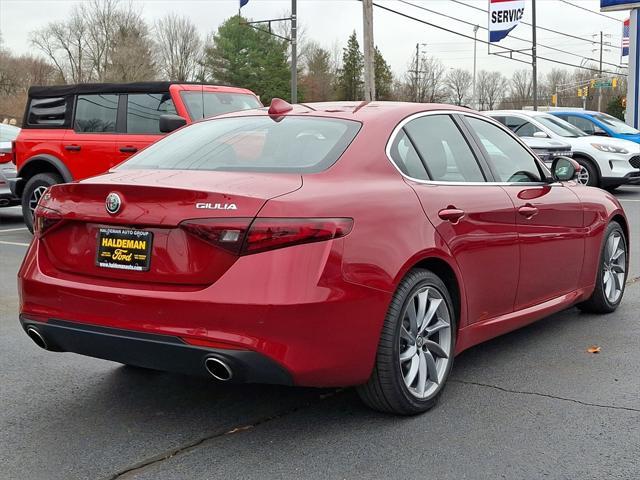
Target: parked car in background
pixel 8 134
pixel 72 132
pixel 607 162
pixel 548 149
pixel 361 244
pixel 600 124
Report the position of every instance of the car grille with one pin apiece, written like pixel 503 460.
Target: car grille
pixel 635 161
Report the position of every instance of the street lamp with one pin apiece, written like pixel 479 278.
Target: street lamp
pixel 475 50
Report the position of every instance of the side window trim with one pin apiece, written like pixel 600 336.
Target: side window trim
pixel 121 116
pixel 487 157
pixel 470 138
pixel 415 148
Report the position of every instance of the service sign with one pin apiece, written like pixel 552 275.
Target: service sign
pixel 504 16
pixel 612 5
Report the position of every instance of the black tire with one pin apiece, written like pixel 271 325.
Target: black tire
pixel 598 302
pixel 34 183
pixel 592 170
pixel 386 390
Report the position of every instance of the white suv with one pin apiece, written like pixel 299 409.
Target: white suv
pixel 607 162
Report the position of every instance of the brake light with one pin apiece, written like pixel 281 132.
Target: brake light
pixel 271 233
pixel 44 219
pixel 6 157
pixel 240 236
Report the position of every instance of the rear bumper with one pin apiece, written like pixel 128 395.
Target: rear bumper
pixel 291 306
pixel 159 352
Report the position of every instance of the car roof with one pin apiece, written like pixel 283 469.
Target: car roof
pixel 361 111
pixel 132 87
pixel 526 113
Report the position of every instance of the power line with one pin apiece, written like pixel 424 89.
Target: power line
pixel 526 23
pixel 505 50
pixel 591 11
pixel 511 36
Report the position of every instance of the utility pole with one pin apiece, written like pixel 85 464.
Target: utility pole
pixel 417 72
pixel 294 52
pixel 600 72
pixel 369 52
pixel 534 56
pixel 475 49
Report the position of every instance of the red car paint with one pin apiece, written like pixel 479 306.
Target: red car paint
pixel 316 309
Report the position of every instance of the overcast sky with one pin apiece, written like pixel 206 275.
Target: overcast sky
pixel 331 21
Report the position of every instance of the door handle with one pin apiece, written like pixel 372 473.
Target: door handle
pixel 528 211
pixel 451 214
pixel 128 149
pixel 72 148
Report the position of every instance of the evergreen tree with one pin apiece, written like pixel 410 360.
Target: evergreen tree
pixel 350 84
pixel 241 56
pixel 383 76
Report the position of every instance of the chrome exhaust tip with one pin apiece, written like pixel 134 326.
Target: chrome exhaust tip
pixel 218 369
pixel 37 337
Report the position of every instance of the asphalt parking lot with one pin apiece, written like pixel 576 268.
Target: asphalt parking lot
pixel 531 404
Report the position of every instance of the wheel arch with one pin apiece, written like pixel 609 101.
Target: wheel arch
pixel 43 163
pixel 589 159
pixel 449 276
pixel 618 217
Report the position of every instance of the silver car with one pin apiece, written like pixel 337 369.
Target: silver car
pixel 8 133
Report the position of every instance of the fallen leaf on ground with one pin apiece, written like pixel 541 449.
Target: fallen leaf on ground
pixel 594 349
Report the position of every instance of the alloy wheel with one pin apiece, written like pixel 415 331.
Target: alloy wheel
pixel 425 342
pixel 583 176
pixel 35 198
pixel 614 268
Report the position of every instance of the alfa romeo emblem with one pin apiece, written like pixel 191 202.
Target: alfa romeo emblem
pixel 113 203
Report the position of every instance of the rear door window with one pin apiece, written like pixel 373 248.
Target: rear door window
pixel 47 112
pixel 96 113
pixel 444 149
pixel 144 111
pixel 255 143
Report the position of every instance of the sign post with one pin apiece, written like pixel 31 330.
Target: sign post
pixel 633 88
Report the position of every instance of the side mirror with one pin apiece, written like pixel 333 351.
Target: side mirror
pixel 601 133
pixel 540 134
pixel 565 169
pixel 169 123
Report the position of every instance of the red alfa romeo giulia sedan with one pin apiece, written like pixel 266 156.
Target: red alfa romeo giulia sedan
pixel 320 245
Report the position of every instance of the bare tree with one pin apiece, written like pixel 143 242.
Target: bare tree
pixel 458 84
pixel 490 88
pixel 83 47
pixel 428 85
pixel 521 88
pixel 319 77
pixel 179 47
pixel 65 45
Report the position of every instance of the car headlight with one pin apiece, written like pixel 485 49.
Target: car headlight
pixel 609 148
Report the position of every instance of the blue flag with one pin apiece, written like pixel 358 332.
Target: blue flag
pixel 243 3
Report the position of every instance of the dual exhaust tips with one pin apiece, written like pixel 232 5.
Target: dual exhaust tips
pixel 217 368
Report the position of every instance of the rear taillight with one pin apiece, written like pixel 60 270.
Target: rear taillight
pixel 271 233
pixel 243 237
pixel 6 157
pixel 44 219
pixel 227 234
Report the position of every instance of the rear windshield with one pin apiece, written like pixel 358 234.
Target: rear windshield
pixel 209 104
pixel 262 144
